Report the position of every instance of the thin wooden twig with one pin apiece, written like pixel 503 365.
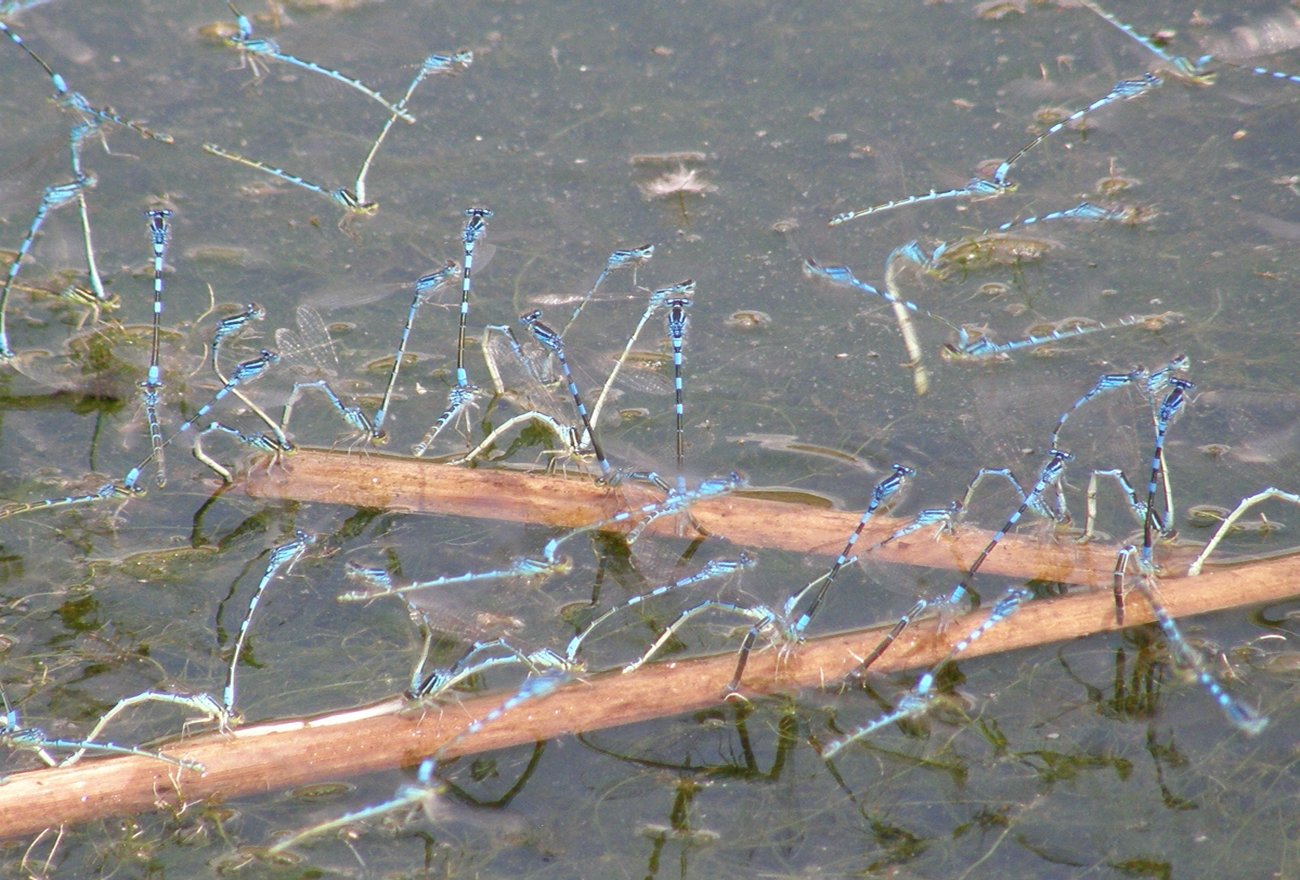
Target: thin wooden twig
pixel 745 518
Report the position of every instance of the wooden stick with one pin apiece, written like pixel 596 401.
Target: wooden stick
pixel 270 756
pixel 745 518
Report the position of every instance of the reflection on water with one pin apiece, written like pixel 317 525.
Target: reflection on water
pixel 727 136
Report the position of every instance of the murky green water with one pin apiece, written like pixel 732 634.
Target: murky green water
pixel 1088 759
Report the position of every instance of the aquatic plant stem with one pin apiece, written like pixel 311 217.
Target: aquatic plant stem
pixel 328 746
pixel 744 518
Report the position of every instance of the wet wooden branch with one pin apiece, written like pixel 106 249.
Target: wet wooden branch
pixel 745 518
pixel 287 753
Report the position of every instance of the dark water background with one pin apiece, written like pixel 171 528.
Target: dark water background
pixel 1091 759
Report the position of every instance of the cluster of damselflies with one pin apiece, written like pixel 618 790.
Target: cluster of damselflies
pixel 1166 390
pixel 257 51
pixel 537 366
